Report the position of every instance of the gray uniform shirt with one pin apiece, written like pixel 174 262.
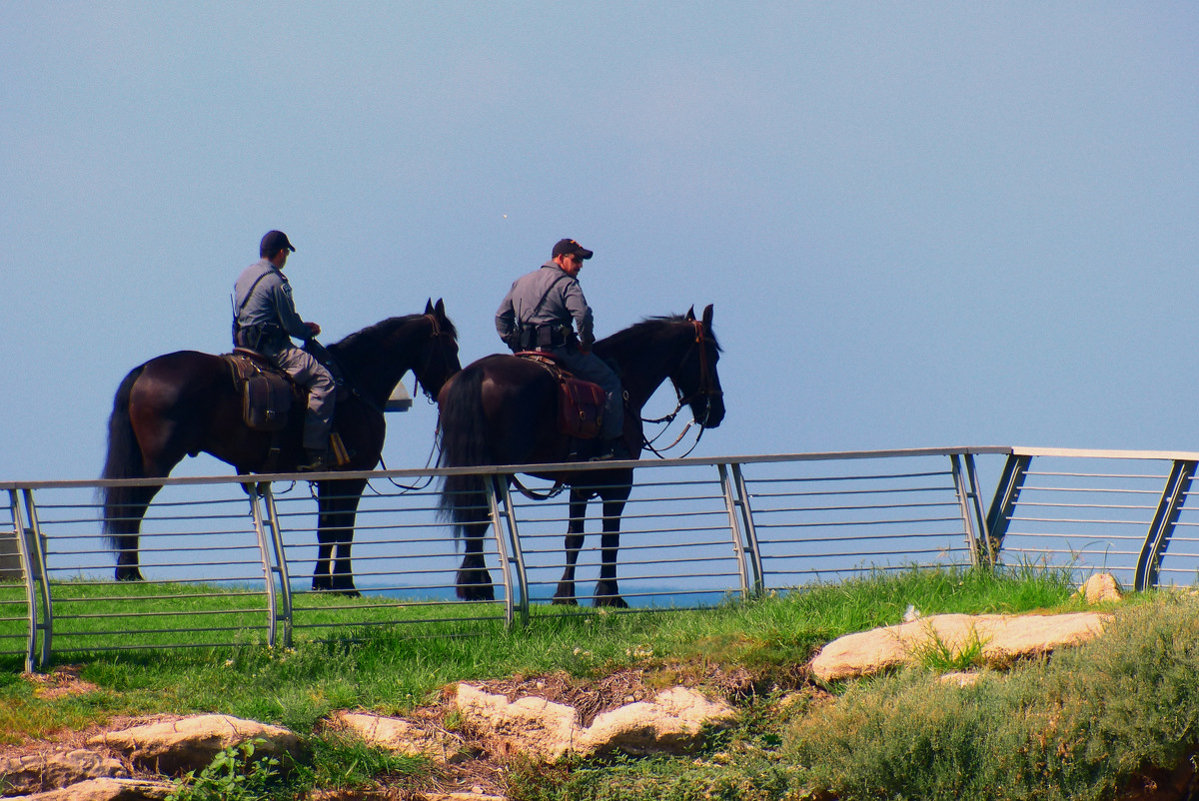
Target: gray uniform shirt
pixel 563 302
pixel 262 295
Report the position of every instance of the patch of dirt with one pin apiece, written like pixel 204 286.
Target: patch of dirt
pixel 62 681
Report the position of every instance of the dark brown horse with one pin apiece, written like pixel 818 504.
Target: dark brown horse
pixel 503 410
pixel 183 403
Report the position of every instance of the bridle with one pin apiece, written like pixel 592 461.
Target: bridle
pixel 706 389
pixel 435 333
pixel 707 377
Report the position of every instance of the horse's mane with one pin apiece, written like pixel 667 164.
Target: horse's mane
pixel 373 333
pixel 635 335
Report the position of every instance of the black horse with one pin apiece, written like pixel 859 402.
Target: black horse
pixel 503 410
pixel 186 402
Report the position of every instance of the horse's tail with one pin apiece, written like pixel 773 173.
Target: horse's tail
pixel 463 444
pixel 124 460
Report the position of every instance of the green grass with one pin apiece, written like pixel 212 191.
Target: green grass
pixel 1077 726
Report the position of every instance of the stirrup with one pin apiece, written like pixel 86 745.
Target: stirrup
pixel 613 449
pixel 318 462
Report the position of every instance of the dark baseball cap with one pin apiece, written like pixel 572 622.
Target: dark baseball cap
pixel 273 242
pixel 565 246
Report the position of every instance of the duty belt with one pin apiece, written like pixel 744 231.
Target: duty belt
pixel 544 336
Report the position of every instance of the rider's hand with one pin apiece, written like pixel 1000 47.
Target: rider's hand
pixel 314 329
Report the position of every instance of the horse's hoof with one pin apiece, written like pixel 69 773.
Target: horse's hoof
pixel 129 574
pixel 611 602
pixel 476 592
pixel 474 584
pixel 324 587
pixel 564 601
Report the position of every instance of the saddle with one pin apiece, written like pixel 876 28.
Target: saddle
pixel 267 392
pixel 580 403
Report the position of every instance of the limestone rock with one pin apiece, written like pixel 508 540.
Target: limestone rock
pixel 670 723
pixel 178 746
pixel 40 772
pixel 1099 588
pixel 108 790
pixel 1004 638
pixel 961 678
pixel 403 737
pixel 529 725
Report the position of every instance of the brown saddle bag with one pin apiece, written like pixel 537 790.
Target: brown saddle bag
pixel 267 393
pixel 580 408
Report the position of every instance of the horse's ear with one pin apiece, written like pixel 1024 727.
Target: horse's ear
pixel 440 307
pixel 708 316
pixel 691 315
pixel 429 306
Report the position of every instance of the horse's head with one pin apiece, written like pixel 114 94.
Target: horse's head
pixel 437 359
pixel 695 378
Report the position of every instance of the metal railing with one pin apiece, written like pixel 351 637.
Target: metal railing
pixel 228 561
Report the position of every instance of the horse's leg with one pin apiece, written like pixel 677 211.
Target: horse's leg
pixel 321 579
pixel 125 507
pixel 338 504
pixel 473 579
pixel 606 593
pixel 473 517
pixel 123 516
pixel 565 593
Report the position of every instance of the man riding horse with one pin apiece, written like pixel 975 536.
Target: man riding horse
pixel 264 320
pixel 537 315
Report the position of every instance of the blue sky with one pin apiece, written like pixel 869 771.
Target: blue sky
pixel 921 224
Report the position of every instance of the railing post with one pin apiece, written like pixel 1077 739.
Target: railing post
pixel 970 507
pixel 280 550
pixel 274 561
pixel 977 507
pixel 19 539
pixel 1015 470
pixel 264 554
pixel 33 562
pixel 1178 484
pixel 505 537
pixel 741 526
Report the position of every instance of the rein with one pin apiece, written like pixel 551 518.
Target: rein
pixel 533 495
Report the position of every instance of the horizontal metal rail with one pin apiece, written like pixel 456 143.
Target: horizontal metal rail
pixel 229 561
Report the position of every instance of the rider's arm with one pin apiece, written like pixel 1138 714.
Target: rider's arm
pixel 581 312
pixel 505 317
pixel 285 307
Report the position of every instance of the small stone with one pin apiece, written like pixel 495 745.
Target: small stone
pixel 1100 588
